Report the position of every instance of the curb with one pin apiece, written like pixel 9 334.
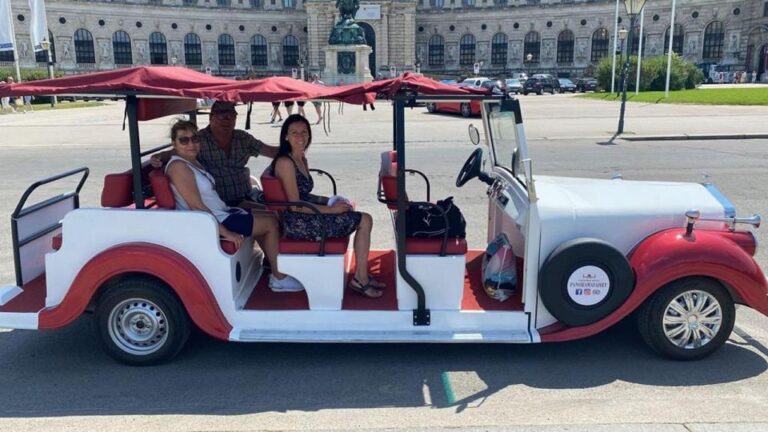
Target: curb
pixel 685 137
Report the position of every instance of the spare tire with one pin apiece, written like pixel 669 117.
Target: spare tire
pixel 583 280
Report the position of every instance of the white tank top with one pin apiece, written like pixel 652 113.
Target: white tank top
pixel 207 187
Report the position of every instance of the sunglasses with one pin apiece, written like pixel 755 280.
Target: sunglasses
pixel 185 140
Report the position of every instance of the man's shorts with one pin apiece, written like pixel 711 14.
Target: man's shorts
pixel 241 223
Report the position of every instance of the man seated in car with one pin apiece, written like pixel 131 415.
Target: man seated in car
pixel 224 153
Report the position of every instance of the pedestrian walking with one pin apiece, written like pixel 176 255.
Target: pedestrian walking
pixel 754 77
pixel 276 112
pixel 27 103
pixel 318 105
pixel 6 101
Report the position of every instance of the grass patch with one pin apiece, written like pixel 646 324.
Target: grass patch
pixel 726 96
pixel 64 105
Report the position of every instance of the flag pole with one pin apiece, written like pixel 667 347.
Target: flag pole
pixel 13 41
pixel 639 51
pixel 669 54
pixel 615 39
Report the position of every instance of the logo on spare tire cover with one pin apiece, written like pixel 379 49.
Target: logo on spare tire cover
pixel 588 285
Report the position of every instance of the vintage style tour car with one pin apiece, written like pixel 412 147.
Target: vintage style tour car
pixel 589 252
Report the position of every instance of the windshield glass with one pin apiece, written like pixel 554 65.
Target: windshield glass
pixel 504 135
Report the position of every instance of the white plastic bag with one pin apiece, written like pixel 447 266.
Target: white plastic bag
pixel 499 269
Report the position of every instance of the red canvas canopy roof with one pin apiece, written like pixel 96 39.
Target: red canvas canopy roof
pixel 187 83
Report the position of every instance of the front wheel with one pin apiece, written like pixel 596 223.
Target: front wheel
pixel 688 319
pixel 139 322
pixel 431 107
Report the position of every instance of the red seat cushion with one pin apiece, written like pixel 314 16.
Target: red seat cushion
pixel 161 187
pixel 228 247
pixel 118 190
pixel 272 187
pixel 333 246
pixel 56 241
pixel 425 246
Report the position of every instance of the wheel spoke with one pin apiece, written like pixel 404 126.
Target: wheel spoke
pixel 688 298
pixel 673 333
pixel 677 307
pixel 715 320
pixel 713 306
pixel 673 320
pixel 683 341
pixel 696 338
pixel 708 332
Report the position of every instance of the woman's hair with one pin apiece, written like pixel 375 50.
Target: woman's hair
pixel 182 125
pixel 285 146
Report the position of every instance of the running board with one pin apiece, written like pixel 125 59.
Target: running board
pixel 8 293
pixel 379 336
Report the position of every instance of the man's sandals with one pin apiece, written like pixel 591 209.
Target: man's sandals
pixel 372 289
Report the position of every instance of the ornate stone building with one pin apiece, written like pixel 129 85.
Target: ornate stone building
pixel 443 38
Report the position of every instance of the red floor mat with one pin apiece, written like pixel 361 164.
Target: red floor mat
pixel 31 300
pixel 474 295
pixel 381 265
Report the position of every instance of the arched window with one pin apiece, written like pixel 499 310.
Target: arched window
pixel 565 47
pixel 677 41
pixel 258 51
pixel 636 41
pixel 499 49
pixel 224 3
pixel 600 44
pixel 84 53
pixel 713 41
pixel 193 51
pixel 42 56
pixel 158 49
pixel 467 50
pixel 468 3
pixel 226 50
pixel 500 2
pixel 437 4
pixel 121 48
pixel 289 4
pixel 255 4
pixel 290 51
pixel 190 2
pixel 532 46
pixel 436 51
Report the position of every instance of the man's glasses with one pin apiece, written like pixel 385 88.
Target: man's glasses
pixel 185 140
pixel 227 115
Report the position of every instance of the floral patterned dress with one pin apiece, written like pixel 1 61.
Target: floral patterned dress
pixel 308 226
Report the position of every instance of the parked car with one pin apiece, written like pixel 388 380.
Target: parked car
pixel 466 109
pixel 522 76
pixel 475 81
pixel 540 84
pixel 514 86
pixel 586 84
pixel 566 85
pixel 587 252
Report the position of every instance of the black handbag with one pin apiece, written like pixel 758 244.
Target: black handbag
pixel 432 220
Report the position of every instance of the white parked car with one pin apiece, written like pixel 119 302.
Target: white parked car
pixel 588 253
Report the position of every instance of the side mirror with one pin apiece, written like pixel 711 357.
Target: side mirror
pixel 474 135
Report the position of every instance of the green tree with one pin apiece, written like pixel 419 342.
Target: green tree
pixel 653 76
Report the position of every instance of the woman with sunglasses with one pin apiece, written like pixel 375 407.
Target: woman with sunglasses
pixel 195 189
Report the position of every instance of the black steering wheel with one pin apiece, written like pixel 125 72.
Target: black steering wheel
pixel 471 168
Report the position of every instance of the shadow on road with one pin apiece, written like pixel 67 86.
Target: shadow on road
pixel 64 373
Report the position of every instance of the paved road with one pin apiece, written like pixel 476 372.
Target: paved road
pixel 61 381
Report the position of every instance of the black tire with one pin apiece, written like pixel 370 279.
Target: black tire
pixel 650 318
pixel 539 92
pixel 431 107
pixel 466 109
pixel 150 307
pixel 584 280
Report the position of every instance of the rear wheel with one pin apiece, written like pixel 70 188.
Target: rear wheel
pixel 431 107
pixel 687 319
pixel 140 322
pixel 466 110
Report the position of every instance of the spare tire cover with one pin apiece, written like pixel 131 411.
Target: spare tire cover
pixel 583 280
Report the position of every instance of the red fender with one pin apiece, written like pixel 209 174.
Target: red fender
pixel 670 255
pixel 170 267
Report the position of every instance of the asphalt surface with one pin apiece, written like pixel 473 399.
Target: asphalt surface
pixel 61 380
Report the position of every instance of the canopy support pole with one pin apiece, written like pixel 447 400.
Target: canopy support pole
pixel 132 108
pixel 421 315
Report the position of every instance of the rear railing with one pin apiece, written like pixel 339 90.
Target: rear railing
pixel 33 227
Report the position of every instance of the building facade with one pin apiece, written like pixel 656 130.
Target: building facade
pixel 442 38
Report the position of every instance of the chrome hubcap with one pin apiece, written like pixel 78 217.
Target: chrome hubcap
pixel 692 319
pixel 138 326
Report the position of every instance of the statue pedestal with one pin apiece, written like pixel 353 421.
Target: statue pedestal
pixel 347 64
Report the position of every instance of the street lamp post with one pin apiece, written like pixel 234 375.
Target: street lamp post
pixel 622 37
pixel 634 7
pixel 46 45
pixel 528 59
